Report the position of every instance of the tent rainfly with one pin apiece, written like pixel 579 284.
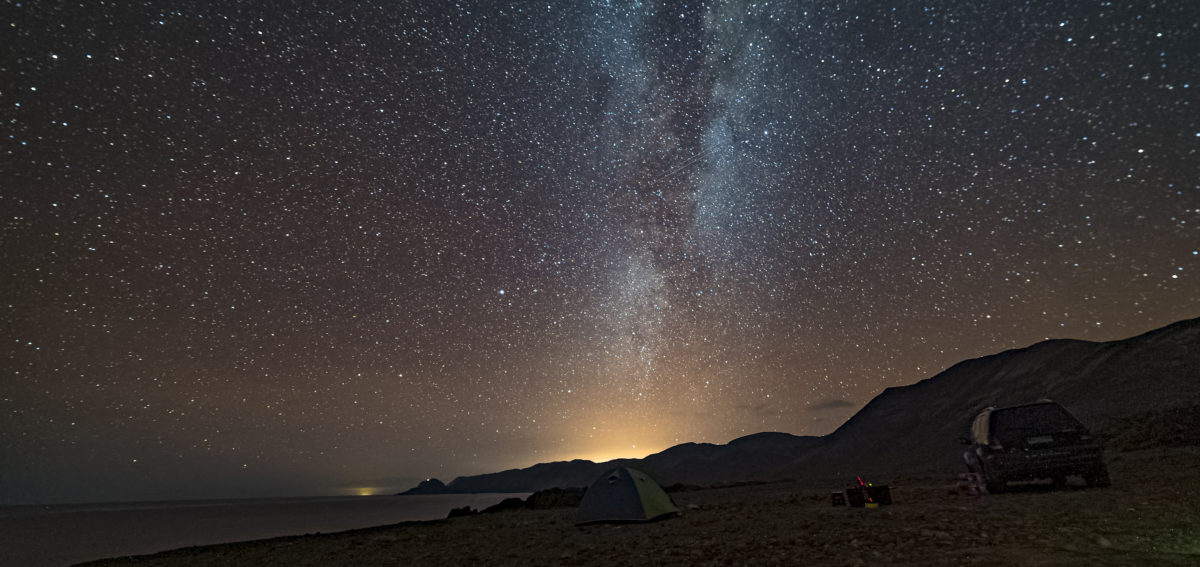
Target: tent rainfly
pixel 624 495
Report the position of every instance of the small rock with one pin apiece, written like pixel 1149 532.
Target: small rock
pixel 460 512
pixel 1103 541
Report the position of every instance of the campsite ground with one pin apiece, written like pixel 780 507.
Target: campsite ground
pixel 1150 516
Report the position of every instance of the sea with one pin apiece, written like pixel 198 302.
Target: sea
pixel 57 535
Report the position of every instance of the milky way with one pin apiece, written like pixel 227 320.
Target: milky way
pixel 261 249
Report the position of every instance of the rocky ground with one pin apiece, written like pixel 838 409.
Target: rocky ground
pixel 1150 516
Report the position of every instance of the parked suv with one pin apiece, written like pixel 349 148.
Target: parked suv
pixel 1033 441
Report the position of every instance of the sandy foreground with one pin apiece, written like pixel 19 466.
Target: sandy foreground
pixel 1150 516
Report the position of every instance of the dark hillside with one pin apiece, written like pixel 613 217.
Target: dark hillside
pixel 1106 385
pixel 1137 393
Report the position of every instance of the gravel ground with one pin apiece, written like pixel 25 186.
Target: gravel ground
pixel 1150 516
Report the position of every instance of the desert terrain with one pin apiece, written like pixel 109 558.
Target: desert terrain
pixel 1149 516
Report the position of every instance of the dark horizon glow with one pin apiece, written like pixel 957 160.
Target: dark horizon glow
pixel 257 248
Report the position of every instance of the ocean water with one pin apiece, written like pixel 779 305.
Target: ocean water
pixel 44 536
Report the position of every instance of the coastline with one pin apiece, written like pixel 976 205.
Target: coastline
pixel 1135 521
pixel 50 536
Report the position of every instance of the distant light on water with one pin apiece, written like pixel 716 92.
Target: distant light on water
pixel 368 490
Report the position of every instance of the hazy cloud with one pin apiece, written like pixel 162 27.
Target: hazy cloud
pixel 830 404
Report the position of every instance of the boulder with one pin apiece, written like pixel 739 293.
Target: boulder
pixel 554 498
pixel 506 505
pixel 459 512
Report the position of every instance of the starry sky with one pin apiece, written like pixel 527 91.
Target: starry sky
pixel 265 248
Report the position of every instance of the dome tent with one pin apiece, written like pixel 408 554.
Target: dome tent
pixel 624 495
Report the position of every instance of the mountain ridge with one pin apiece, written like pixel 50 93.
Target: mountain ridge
pixel 916 427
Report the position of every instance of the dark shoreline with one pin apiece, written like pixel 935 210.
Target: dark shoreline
pixel 36 537
pixel 1135 522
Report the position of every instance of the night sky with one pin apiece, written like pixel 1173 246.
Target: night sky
pixel 257 248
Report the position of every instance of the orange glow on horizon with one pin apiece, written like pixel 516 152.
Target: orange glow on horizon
pixel 603 455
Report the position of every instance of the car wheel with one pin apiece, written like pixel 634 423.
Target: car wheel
pixel 995 484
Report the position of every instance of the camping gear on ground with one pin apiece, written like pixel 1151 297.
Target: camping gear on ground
pixel 624 495
pixel 861 494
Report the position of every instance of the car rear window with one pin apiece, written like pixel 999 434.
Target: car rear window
pixel 1012 425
